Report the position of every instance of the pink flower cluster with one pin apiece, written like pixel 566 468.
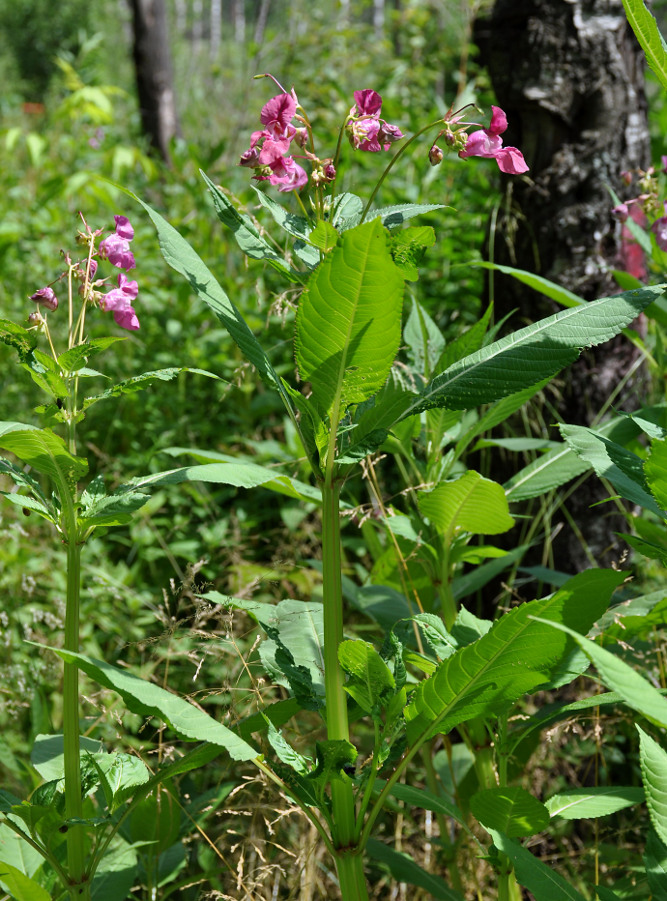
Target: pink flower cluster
pixel 487 143
pixel 116 249
pixel 269 148
pixel 365 129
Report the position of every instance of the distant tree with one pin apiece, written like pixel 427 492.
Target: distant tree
pixel 570 76
pixel 152 60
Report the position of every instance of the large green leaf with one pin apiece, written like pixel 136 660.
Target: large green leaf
pixel 653 760
pixel 636 691
pixel 45 451
pixel 181 257
pixel 147 699
pixel 648 34
pixel 348 322
pixel 532 354
pixel 470 503
pixel 584 803
pixel 371 682
pixel 512 659
pixel 538 283
pixel 655 864
pixel 510 809
pixel 613 462
pixel 544 883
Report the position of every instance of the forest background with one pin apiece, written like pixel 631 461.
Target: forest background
pixel 70 131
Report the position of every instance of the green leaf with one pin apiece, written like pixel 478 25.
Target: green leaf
pixel 655 469
pixel 48 758
pixel 538 283
pixel 20 886
pixel 116 873
pixel 653 761
pixel 532 354
pixel 655 864
pixel 636 691
pixel 297 226
pixel 470 503
pixel 22 339
pixel 143 381
pixel 371 680
pixel 324 236
pixel 393 216
pixel 347 211
pixel 408 247
pixel 646 29
pixel 296 625
pixel 511 810
pixel 181 257
pixel 373 419
pixel 76 357
pixel 404 869
pixel 512 659
pixel 348 322
pixel 148 699
pixel 425 800
pixel 588 803
pixel 44 451
pixel 285 751
pixel 245 233
pixel 544 883
pixel 15 848
pixel 612 462
pixel 424 339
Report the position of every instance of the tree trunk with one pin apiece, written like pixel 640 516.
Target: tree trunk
pixel 569 75
pixel 152 62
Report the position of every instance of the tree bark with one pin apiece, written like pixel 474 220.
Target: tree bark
pixel 152 61
pixel 569 75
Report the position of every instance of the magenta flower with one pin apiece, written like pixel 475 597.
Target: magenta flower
pixel 269 148
pixel 277 116
pixel 123 227
pixel 366 130
pixel 119 301
pixel 117 251
pixel 288 175
pixel 46 297
pixel 659 229
pixel 487 143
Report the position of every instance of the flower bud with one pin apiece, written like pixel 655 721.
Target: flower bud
pixel 35 318
pixel 301 137
pixel 435 155
pixel 46 298
pixel 250 158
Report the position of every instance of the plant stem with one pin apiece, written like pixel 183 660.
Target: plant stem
pixel 73 800
pixel 336 699
pixel 350 869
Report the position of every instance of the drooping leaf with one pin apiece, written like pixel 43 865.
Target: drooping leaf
pixel 44 451
pixel 348 322
pixel 511 810
pixel 181 257
pixel 538 283
pixel 148 699
pixel 616 674
pixel 143 381
pixel 588 803
pixel 470 503
pixel 513 658
pixel 532 354
pixel 245 233
pixel 648 34
pixel 404 869
pixel 544 883
pixel 285 751
pixel 653 760
pixel 611 461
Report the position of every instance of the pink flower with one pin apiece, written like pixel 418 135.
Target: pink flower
pixel 366 130
pixel 268 153
pixel 659 229
pixel 46 297
pixel 277 115
pixel 119 301
pixel 487 143
pixel 117 251
pixel 123 227
pixel 288 175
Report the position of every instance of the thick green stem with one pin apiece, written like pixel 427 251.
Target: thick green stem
pixel 73 801
pixel 350 869
pixel 336 699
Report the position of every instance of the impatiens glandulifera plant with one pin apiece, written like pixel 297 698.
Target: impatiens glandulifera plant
pixel 80 840
pixel 432 672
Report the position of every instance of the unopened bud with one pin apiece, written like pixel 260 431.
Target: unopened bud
pixel 301 137
pixel 35 318
pixel 627 177
pixel 435 155
pixel 250 158
pixel 46 298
